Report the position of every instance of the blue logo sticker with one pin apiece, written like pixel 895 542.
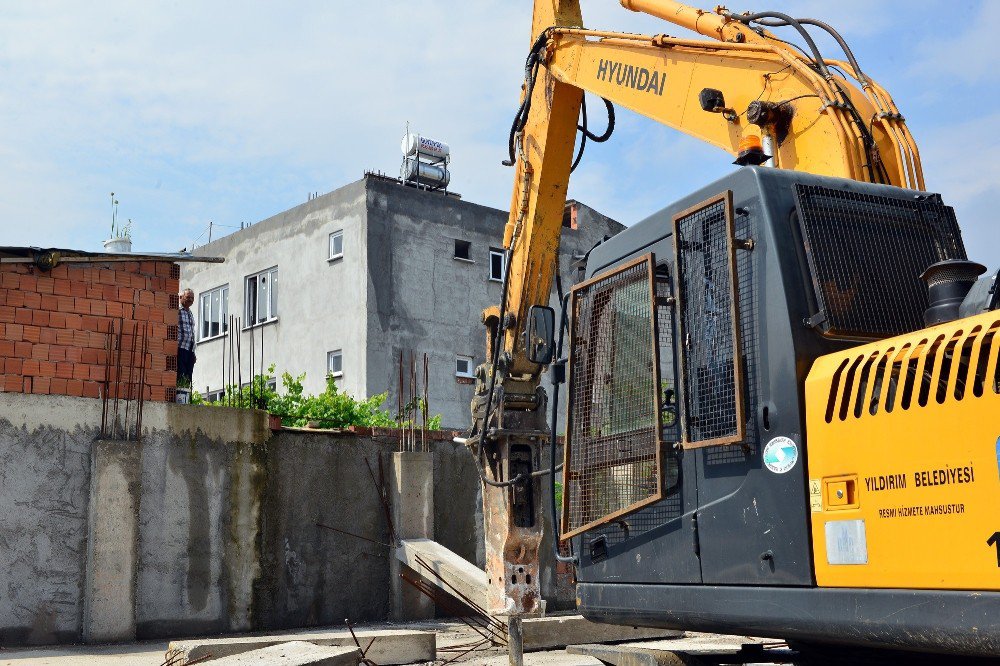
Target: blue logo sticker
pixel 998 456
pixel 780 455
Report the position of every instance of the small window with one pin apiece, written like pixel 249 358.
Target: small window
pixel 214 313
pixel 337 244
pixel 496 264
pixel 464 366
pixel 463 250
pixel 569 216
pixel 214 396
pixel 335 363
pixel 261 298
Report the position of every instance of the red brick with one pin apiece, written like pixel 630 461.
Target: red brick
pixel 13 365
pixel 62 287
pixel 6 347
pixel 22 316
pixel 3 363
pixel 157 394
pixel 98 308
pixel 48 336
pixel 103 325
pixel 125 294
pixel 49 302
pixel 74 355
pixel 97 372
pixel 78 289
pixel 108 292
pixel 40 317
pixel 60 271
pixel 159 284
pixel 46 368
pixel 40 352
pixel 170 317
pixel 3 331
pixel 93 355
pixel 31 334
pixel 173 286
pixel 28 283
pixel 10 280
pixel 22 349
pixel 147 268
pixel 169 378
pixel 64 370
pixel 115 309
pixel 57 386
pixel 57 319
pixel 44 285
pixel 170 347
pixel 66 303
pixel 26 384
pixel 14 332
pixel 74 387
pixel 146 298
pixel 81 338
pixel 161 300
pixel 81 306
pixel 13 298
pixel 57 353
pixel 98 340
pixel 92 389
pixel 32 300
pixel 141 312
pixel 30 367
pixel 80 371
pixel 74 322
pixel 162 269
pixel 41 385
pixel 6 313
pixel 137 281
pixel 64 337
pixel 89 323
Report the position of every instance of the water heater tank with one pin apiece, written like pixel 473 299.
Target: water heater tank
pixel 412 142
pixel 427 174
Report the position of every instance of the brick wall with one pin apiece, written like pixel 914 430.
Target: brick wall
pixel 56 327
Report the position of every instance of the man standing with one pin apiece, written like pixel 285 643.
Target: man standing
pixel 185 340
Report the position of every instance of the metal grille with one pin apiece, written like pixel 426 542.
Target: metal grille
pixel 748 289
pixel 710 350
pixel 866 254
pixel 613 447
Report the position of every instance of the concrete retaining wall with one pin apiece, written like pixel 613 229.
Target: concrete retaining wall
pixel 207 526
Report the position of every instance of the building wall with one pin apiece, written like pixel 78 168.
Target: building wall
pixel 208 526
pixel 320 302
pixel 423 300
pixel 55 325
pixel 398 289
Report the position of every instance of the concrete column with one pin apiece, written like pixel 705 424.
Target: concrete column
pixel 411 496
pixel 112 542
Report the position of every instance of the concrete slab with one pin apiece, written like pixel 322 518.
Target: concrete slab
pixel 294 653
pixel 454 570
pixel 545 633
pixel 386 647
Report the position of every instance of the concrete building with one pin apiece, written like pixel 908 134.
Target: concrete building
pixel 345 282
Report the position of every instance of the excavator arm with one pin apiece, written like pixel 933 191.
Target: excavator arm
pixel 745 92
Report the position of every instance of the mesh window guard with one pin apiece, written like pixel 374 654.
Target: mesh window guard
pixel 866 253
pixel 710 357
pixel 613 455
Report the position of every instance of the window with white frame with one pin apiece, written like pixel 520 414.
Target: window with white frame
pixel 337 244
pixel 214 313
pixel 335 363
pixel 496 264
pixel 213 396
pixel 464 366
pixel 261 297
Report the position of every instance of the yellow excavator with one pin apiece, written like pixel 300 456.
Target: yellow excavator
pixel 783 389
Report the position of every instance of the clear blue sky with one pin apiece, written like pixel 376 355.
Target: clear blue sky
pixel 233 111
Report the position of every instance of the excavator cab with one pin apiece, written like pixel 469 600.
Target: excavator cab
pixel 763 435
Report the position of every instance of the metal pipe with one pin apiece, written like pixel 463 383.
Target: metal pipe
pixel 697 20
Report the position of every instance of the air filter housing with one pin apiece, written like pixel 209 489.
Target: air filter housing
pixel 948 282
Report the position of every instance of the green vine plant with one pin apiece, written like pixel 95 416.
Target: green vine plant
pixel 333 408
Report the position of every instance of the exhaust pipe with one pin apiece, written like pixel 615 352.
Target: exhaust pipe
pixel 948 282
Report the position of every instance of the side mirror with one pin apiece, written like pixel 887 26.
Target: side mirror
pixel 539 334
